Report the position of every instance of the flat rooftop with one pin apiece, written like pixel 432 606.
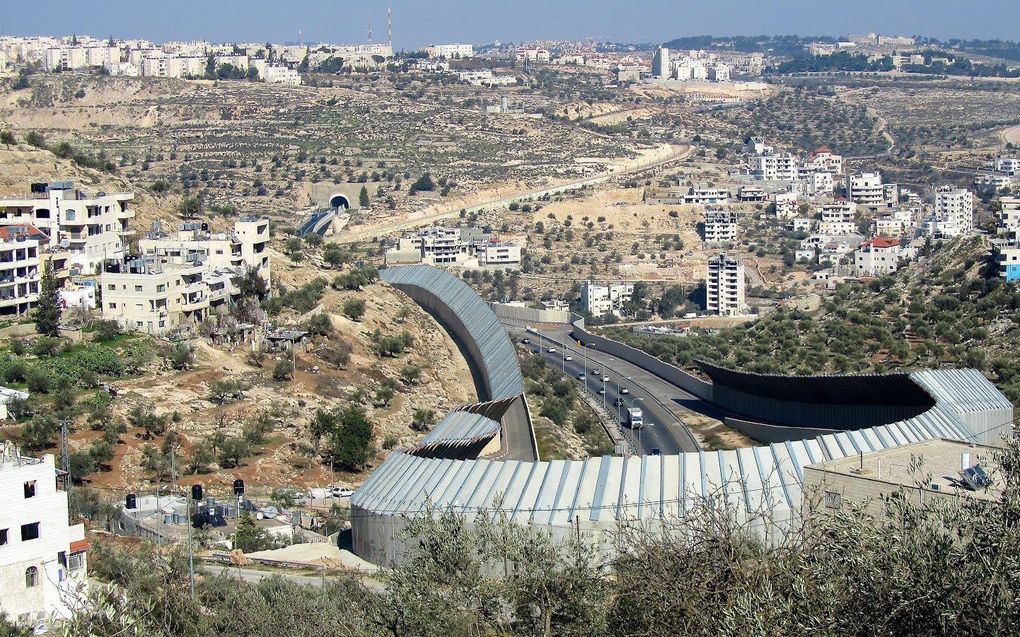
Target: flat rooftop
pixel 933 463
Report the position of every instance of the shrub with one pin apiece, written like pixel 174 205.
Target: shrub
pixel 283 370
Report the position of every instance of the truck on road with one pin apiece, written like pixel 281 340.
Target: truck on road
pixel 635 418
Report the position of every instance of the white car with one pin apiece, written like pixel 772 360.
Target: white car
pixel 602 391
pixel 624 390
pixel 551 350
pixel 341 492
pixel 605 379
pixel 581 377
pixel 568 358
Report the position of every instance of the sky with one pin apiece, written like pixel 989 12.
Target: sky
pixel 420 22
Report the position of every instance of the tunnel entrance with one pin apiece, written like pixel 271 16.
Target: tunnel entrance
pixel 339 201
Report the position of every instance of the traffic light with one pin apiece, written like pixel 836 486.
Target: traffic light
pixel 239 487
pixel 130 501
pixel 196 492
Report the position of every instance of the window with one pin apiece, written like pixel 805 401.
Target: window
pixel 3 537
pixel 138 288
pixel 31 577
pixel 111 286
pixel 113 306
pixel 69 214
pixel 833 500
pixel 30 489
pixel 29 531
pixel 76 562
pixel 161 287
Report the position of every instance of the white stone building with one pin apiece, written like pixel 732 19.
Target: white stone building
pixel 956 205
pixel 660 64
pixel 450 51
pixel 866 189
pixel 877 257
pixel 43 562
pixel 720 225
pixel 91 228
pixel 724 285
pixel 599 300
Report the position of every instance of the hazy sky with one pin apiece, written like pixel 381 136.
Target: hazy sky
pixel 419 22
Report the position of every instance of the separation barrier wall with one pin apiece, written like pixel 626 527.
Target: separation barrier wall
pixel 768 434
pixel 664 370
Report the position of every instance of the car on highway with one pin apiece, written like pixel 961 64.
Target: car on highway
pixel 526 341
pixel 582 377
pixel 568 357
pixel 602 391
pixel 596 372
pixel 624 390
pixel 618 402
pixel 605 379
pixel 656 451
pixel 551 350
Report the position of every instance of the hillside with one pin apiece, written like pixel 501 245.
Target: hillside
pixel 939 312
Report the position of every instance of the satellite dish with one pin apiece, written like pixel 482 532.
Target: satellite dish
pixel 64 243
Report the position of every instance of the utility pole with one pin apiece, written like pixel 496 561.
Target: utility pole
pixel 191 554
pixel 65 455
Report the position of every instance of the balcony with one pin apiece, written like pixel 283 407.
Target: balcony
pixel 196 303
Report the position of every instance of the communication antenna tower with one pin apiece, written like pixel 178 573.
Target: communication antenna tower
pixel 389 26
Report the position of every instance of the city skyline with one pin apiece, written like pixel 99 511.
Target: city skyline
pixel 417 24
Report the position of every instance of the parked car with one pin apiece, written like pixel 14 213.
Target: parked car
pixel 341 492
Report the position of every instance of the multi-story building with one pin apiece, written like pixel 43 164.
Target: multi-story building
pixel 599 300
pixel 42 557
pixel 1008 165
pixel 719 72
pixel 707 196
pixel 1007 219
pixel 660 64
pixel 450 51
pixel 22 253
pixel 1006 256
pixel 91 228
pixel 724 284
pixel 825 159
pixel 776 167
pixel 866 189
pixel 146 295
pixel 877 257
pixel 239 61
pixel 838 219
pixel 193 244
pixel 497 254
pixel 435 246
pixel 71 58
pixel 956 205
pixel 785 204
pixel 720 225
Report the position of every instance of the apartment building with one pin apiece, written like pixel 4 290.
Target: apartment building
pixel 192 244
pixel 956 205
pixel 72 58
pixel 707 196
pixel 866 189
pixel 599 300
pixel 824 159
pixel 776 167
pixel 720 226
pixel 498 254
pixel 724 284
pixel 719 73
pixel 91 228
pixel 237 60
pixel 450 51
pixel 1006 256
pixel 22 254
pixel 1007 219
pixel 660 64
pixel 838 219
pixel 183 277
pixel 785 204
pixel 1008 165
pixel 43 563
pixel 877 257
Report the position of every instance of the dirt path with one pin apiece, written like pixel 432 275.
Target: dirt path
pixel 1011 135
pixel 507 195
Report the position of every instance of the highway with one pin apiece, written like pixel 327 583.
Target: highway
pixel 664 429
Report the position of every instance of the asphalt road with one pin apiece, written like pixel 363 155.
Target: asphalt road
pixel 664 429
